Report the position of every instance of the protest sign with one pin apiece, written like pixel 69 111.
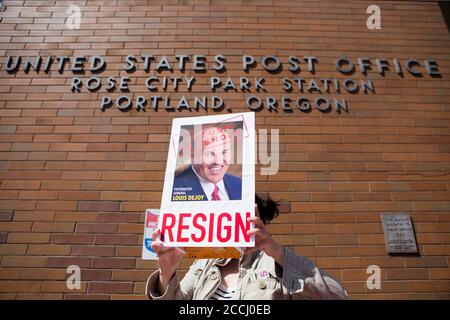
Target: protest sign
pixel 151 224
pixel 209 185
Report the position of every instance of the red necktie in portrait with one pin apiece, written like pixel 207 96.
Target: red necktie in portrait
pixel 215 194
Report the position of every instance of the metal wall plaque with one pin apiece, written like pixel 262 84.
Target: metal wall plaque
pixel 399 233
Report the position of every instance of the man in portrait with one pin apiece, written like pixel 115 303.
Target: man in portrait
pixel 208 180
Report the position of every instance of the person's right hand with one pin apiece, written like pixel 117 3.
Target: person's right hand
pixel 168 258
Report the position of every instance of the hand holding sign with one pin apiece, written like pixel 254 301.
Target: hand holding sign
pixel 264 240
pixel 168 258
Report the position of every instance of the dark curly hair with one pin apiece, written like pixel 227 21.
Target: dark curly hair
pixel 268 208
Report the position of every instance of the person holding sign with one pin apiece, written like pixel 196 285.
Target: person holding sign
pixel 209 180
pixel 266 271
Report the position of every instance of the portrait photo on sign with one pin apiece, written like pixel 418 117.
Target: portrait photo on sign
pixel 209 183
pixel 209 162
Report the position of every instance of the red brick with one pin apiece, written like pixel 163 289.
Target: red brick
pixel 118 217
pixel 44 274
pixel 3 237
pixel 429 286
pixel 429 262
pixel 96 228
pixel 6 215
pixel 113 263
pixel 129 251
pixel 72 238
pixel 79 195
pixel 28 237
pixel 137 228
pixel 439 273
pixel 20 184
pixel 68 261
pixel 56 205
pixel 116 239
pixel 48 249
pixel 9 249
pixel 20 286
pixel 96 275
pixel 83 296
pixel 75 216
pixel 10 273
pixel 53 227
pixel 407 274
pixel 37 195
pixel 39 296
pixel 110 287
pixel 94 251
pixel 98 206
pixel 23 261
pixel 61 286
pixel 336 239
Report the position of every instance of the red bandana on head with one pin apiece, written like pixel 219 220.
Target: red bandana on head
pixel 213 136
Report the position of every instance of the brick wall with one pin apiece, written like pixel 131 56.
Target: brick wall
pixel 75 180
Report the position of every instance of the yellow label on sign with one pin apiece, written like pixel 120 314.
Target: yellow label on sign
pixel 212 253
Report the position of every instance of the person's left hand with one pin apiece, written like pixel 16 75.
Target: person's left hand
pixel 264 240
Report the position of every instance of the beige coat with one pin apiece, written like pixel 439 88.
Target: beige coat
pixel 260 278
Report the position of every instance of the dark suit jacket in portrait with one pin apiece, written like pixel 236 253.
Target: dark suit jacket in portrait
pixel 187 187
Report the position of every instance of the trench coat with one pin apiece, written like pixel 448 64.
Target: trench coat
pixel 260 278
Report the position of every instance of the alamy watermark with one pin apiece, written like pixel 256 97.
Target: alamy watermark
pixel 374 20
pixel 73 281
pixel 74 19
pixel 374 280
